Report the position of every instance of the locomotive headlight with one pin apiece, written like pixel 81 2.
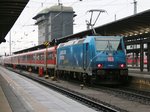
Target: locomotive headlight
pixel 100 66
pixel 122 65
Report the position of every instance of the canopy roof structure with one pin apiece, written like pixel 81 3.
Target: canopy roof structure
pixel 133 25
pixel 129 27
pixel 9 12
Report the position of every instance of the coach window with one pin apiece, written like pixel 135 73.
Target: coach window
pixel 28 57
pixel 31 56
pixel 41 56
pixel 50 55
pixel 34 56
pixel 38 57
pixel 20 58
pixel 24 58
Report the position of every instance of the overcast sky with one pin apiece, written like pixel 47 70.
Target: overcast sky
pixel 24 32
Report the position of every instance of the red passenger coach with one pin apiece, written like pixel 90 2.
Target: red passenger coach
pixel 7 60
pixel 38 58
pixel 34 60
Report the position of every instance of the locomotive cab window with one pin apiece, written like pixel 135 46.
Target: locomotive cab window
pixel 119 46
pixel 104 44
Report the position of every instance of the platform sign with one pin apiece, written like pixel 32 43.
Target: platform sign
pixel 46 43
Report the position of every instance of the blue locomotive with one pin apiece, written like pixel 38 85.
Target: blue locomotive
pixel 93 59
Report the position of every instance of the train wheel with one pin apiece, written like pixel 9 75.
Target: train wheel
pixel 67 76
pixel 91 81
pixel 86 79
pixel 80 78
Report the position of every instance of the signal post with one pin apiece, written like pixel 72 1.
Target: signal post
pixel 46 44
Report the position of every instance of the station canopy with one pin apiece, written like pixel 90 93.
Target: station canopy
pixel 137 24
pixel 133 25
pixel 9 12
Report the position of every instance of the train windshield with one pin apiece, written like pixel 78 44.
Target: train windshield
pixel 103 44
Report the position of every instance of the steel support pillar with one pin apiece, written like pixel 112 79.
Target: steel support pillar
pixel 133 57
pixel 141 56
pixel 148 56
pixel 136 58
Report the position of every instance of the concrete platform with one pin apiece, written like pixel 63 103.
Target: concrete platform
pixel 37 98
pixel 4 105
pixel 140 78
pixel 109 98
pixel 9 101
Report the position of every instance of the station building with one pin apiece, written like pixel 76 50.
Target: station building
pixel 54 22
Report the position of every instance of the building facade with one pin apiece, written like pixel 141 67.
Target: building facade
pixel 54 22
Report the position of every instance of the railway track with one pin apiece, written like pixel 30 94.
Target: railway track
pixel 136 95
pixel 124 92
pixel 89 101
pixel 140 96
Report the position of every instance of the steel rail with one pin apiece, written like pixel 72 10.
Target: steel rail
pixel 135 95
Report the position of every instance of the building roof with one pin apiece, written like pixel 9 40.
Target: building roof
pixel 58 8
pixel 9 12
pixel 55 8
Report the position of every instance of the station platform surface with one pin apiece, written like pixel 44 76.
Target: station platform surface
pixel 25 95
pixel 137 73
pixel 9 101
pixel 140 78
pixel 4 105
pixel 33 97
